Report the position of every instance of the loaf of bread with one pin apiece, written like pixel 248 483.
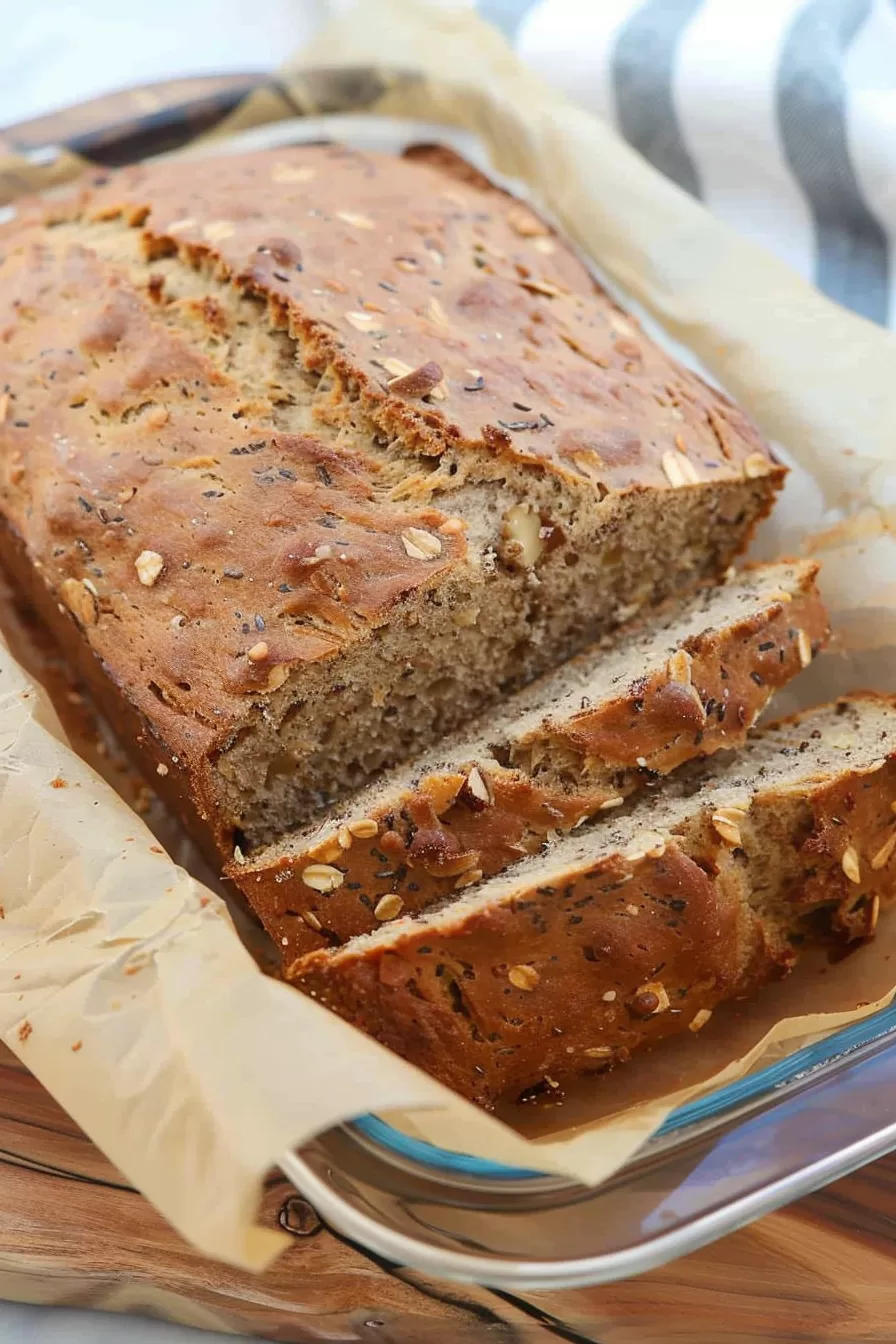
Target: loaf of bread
pixel 308 456
pixel 576 742
pixel 630 930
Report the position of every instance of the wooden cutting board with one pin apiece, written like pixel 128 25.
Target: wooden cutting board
pixel 73 1232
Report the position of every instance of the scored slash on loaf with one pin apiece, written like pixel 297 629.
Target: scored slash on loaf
pixel 576 743
pixel 635 929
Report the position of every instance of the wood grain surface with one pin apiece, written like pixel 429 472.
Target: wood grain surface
pixel 73 1232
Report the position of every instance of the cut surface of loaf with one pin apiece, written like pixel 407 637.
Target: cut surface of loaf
pixel 575 743
pixel 308 456
pixel 633 930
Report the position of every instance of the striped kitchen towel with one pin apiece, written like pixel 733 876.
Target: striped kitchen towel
pixel 780 115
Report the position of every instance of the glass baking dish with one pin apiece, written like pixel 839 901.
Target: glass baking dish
pixel 716 1164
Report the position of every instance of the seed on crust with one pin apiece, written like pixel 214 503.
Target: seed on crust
pixel 757 464
pixel 258 652
pixel 80 600
pixel 149 565
pixel 328 850
pixel 467 879
pixel 609 996
pixel 363 321
pixel 523 977
pixel 671 464
pixel 276 677
pixel 679 470
pixel 599 1051
pixel 322 877
pixel 884 854
pixel 419 382
pixel 356 220
pixel 735 814
pixel 545 287
pixel 526 224
pixel 727 822
pixel 850 864
pixel 804 647
pixel 478 785
pixel 312 920
pixel 650 999
pixel 658 990
pixel 421 545
pixel 344 837
pixel 873 914
pixel 680 667
pixel 365 829
pixel 387 907
pixel 700 1019
pixel 436 313
pixel 609 803
pixel 729 832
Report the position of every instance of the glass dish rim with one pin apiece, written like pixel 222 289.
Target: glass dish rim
pixel 753 1087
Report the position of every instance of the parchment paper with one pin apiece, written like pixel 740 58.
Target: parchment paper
pixel 123 984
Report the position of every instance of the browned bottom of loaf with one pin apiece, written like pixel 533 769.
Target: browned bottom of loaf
pixel 631 931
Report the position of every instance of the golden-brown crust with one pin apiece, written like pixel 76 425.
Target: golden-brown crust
pixel 180 483
pixel 613 956
pixel 465 277
pixel 203 554
pixel 435 838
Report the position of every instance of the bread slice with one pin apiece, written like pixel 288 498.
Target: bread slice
pixel 577 742
pixel 308 456
pixel 631 930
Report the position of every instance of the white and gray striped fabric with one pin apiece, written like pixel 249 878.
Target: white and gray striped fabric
pixel 780 115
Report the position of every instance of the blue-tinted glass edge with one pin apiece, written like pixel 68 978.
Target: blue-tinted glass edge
pixel 767 1080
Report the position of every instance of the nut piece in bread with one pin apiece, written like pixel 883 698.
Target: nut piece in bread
pixel 299 566
pixel 575 744
pixel 636 929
